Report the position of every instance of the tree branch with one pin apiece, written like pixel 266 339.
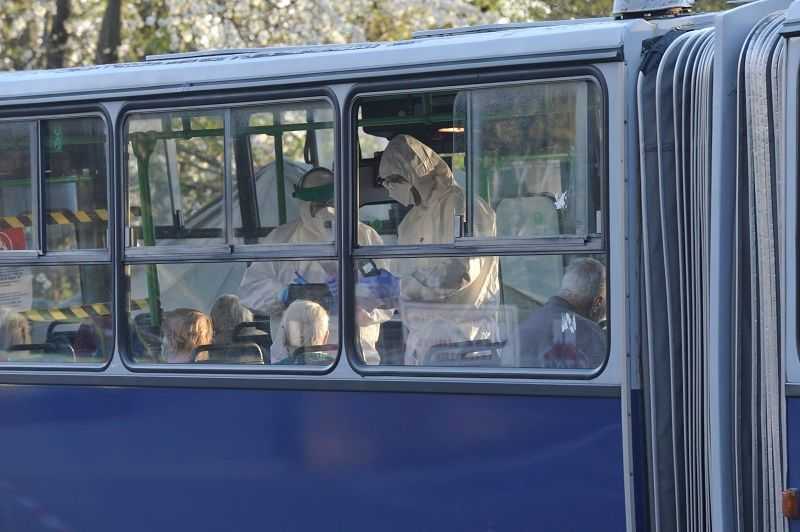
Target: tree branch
pixel 110 34
pixel 56 40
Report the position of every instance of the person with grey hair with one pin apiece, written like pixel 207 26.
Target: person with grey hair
pixel 565 332
pixel 226 314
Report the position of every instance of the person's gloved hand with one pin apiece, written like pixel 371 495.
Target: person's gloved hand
pixel 383 286
pixel 333 288
pixel 333 285
pixel 284 295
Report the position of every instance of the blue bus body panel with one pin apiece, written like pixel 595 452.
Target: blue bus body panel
pixel 155 459
pixel 793 448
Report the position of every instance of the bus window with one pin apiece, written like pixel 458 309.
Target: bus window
pixel 275 147
pixel 55 314
pixel 537 311
pixel 75 176
pixel 535 156
pixel 523 161
pixel 175 178
pixel 16 186
pixel 384 200
pixel 265 312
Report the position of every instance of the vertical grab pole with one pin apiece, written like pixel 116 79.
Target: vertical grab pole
pixel 143 146
pixel 472 166
pixel 279 177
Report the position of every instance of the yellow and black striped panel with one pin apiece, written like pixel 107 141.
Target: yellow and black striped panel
pixel 80 312
pixel 58 217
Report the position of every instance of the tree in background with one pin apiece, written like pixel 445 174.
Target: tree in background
pixel 55 41
pixel 110 33
pixel 56 33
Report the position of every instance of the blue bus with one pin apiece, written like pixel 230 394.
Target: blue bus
pixel 514 277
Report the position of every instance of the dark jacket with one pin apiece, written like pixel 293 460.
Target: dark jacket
pixel 557 336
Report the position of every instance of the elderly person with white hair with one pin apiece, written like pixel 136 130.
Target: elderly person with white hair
pixel 305 325
pixel 564 333
pixel 14 330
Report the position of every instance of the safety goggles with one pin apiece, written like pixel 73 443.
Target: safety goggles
pixel 393 179
pixel 319 194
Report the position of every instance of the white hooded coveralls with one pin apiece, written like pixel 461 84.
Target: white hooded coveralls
pixel 263 282
pixel 453 282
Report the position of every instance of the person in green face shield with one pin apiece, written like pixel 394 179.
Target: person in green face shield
pixel 265 286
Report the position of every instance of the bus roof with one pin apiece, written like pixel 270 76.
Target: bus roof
pixel 599 39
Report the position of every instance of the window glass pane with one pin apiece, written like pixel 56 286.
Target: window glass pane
pixel 283 184
pixel 543 311
pixel 175 179
pixel 75 183
pixel 278 312
pixel 16 195
pixel 529 157
pixel 411 174
pixel 55 314
pixel 536 156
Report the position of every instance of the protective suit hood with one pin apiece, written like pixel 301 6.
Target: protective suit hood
pixel 420 165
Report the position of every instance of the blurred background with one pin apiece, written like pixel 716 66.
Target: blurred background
pixel 38 34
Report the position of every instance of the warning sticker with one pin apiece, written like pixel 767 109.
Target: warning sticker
pixel 16 282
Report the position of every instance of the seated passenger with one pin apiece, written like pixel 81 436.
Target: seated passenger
pixel 86 341
pixel 265 286
pixel 564 333
pixel 184 330
pixel 226 314
pixel 14 330
pixel 305 325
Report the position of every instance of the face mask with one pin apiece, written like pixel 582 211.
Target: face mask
pixel 322 217
pixel 325 213
pixel 400 192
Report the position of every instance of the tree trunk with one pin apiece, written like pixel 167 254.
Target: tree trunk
pixel 108 43
pixel 56 39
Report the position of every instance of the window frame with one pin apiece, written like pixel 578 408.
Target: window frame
pixel 40 256
pixel 590 242
pixel 227 252
pixel 226 249
pixel 39 253
pixel 465 247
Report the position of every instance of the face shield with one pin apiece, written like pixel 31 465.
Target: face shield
pixel 316 188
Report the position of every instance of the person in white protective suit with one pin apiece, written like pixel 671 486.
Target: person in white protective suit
pixel 265 284
pixel 415 175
